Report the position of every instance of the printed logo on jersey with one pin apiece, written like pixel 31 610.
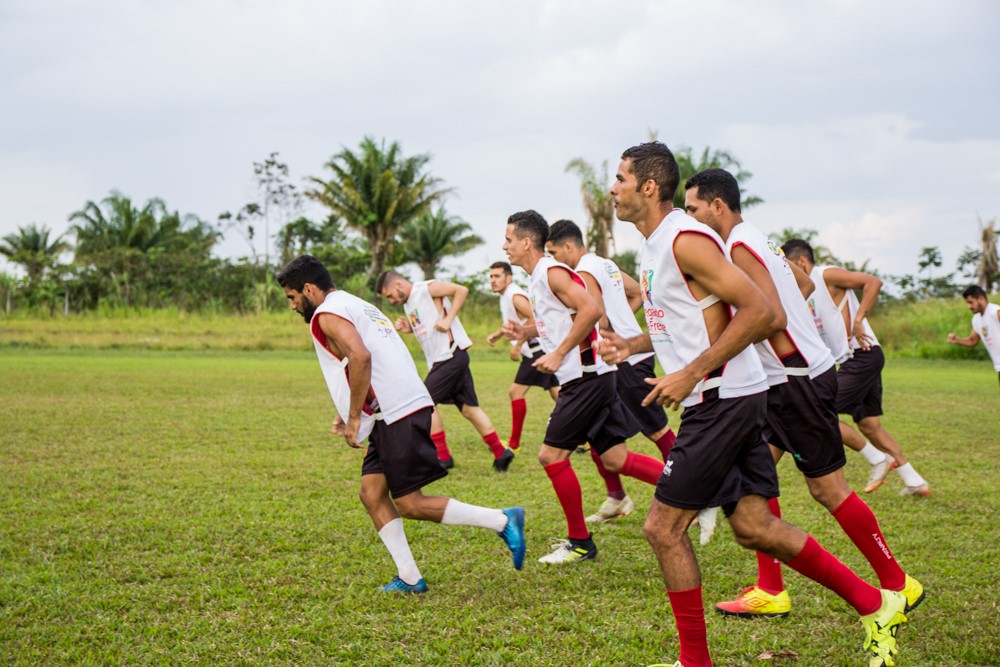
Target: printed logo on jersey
pixel 816 318
pixel 776 249
pixel 645 280
pixel 612 271
pixel 380 321
pixel 419 330
pixel 655 317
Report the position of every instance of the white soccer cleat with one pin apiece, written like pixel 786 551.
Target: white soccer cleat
pixel 706 522
pixel 878 473
pixel 920 490
pixel 612 508
pixel 570 551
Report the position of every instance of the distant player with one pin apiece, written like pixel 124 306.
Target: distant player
pixel 514 306
pixel 985 324
pixel 379 396
pixel 431 308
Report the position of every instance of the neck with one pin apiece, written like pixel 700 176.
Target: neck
pixel 651 221
pixel 532 261
pixel 727 224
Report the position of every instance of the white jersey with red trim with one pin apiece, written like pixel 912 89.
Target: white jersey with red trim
pixel 396 388
pixel 509 313
pixel 829 317
pixel 554 319
pixel 800 327
pixel 674 316
pixel 422 313
pixel 620 315
pixel 987 326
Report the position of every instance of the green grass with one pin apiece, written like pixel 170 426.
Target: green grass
pixel 190 508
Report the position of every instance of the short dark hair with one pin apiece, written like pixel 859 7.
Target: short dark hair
pixel 561 231
pixel 795 248
pixel 384 278
pixel 974 292
pixel 302 270
pixel 532 225
pixel 503 265
pixel 716 183
pixel 654 161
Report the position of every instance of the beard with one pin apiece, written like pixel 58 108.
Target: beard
pixel 307 312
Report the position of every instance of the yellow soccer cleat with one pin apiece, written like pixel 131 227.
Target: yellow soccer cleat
pixel 754 602
pixel 913 591
pixel 881 628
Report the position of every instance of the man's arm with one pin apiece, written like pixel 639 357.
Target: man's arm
pixel 594 288
pixel 969 341
pixel 575 297
pixel 457 294
pixel 870 287
pixel 761 277
pixel 802 279
pixel 345 340
pixel 632 292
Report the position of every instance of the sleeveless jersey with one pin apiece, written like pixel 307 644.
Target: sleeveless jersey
pixel 396 388
pixel 509 313
pixel 674 316
pixel 554 321
pixel 800 327
pixel 834 330
pixel 620 315
pixel 423 313
pixel 988 327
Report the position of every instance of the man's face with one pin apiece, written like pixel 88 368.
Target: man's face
pixel 395 293
pixel 699 209
pixel 300 303
pixel 499 279
pixel 976 304
pixel 628 202
pixel 515 247
pixel 561 252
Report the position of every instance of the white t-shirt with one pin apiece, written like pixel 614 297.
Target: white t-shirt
pixel 422 313
pixel 620 315
pixel 509 313
pixel 988 327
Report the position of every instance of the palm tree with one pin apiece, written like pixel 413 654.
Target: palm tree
pixel 376 191
pixel 30 247
pixel 711 159
pixel 988 267
pixel 599 205
pixel 432 237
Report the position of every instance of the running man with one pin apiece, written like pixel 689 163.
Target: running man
pixel 379 396
pixel 843 325
pixel 514 306
pixel 689 292
pixel 985 324
pixel 588 408
pixel 801 399
pixel 431 308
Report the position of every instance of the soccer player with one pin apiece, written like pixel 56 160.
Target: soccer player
pixel 514 306
pixel 689 292
pixel 379 396
pixel 588 408
pixel 801 399
pixel 843 325
pixel 985 324
pixel 431 308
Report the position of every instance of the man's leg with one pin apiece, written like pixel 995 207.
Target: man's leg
pixel 501 456
pixel 619 459
pixel 872 428
pixel 617 504
pixel 579 546
pixel 518 411
pixel 881 463
pixel 440 441
pixel 374 496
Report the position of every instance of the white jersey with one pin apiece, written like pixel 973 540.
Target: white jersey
pixel 554 319
pixel 830 317
pixel 509 313
pixel 674 317
pixel 800 327
pixel 988 327
pixel 422 314
pixel 396 388
pixel 620 315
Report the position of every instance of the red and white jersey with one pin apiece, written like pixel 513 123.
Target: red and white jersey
pixel 509 313
pixel 674 316
pixel 620 315
pixel 554 319
pixel 396 388
pixel 988 327
pixel 422 313
pixel 829 317
pixel 800 327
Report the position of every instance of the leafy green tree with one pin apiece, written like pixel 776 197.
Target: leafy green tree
pixel 376 190
pixel 428 239
pixel 821 253
pixel 710 158
pixel 597 201
pixel 31 248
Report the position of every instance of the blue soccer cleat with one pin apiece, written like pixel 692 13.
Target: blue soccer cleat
pixel 397 585
pixel 513 535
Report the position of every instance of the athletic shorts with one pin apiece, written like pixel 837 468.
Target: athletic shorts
pixel 719 456
pixel 530 376
pixel 632 389
pixel 859 384
pixel 589 410
pixel 450 381
pixel 404 452
pixel 802 420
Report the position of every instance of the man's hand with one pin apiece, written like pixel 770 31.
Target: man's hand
pixel 611 347
pixel 515 353
pixel 670 390
pixel 444 324
pixel 494 337
pixel 348 430
pixel 952 338
pixel 549 363
pixel 403 325
pixel 860 335
pixel 512 329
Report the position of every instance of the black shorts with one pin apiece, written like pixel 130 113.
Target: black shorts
pixel 589 410
pixel 802 420
pixel 404 452
pixel 719 456
pixel 859 384
pixel 530 376
pixel 632 389
pixel 450 381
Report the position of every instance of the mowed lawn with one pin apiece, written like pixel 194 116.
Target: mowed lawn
pixel 175 508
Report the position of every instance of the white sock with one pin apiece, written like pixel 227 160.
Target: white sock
pixel 872 454
pixel 910 476
pixel 459 514
pixel 395 541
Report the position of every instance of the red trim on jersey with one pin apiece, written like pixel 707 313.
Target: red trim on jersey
pixel 321 338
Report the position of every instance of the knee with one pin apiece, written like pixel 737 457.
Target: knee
pixel 753 536
pixel 407 508
pixel 661 535
pixel 366 496
pixel 869 427
pixel 512 393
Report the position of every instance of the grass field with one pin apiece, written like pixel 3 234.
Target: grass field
pixel 189 507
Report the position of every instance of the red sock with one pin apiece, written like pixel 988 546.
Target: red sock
pixel 518 409
pixel 860 524
pixel 567 487
pixel 612 480
pixel 492 441
pixel 689 615
pixel 769 568
pixel 441 444
pixel 666 443
pixel 822 567
pixel 642 467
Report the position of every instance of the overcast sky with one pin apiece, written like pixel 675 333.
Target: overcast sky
pixel 876 123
